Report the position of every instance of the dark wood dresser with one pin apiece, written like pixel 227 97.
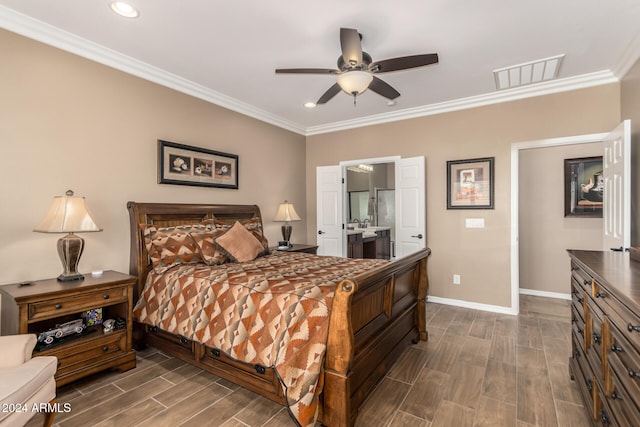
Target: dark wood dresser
pixel 605 315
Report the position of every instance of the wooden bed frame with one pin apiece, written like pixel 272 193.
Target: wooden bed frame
pixel 374 317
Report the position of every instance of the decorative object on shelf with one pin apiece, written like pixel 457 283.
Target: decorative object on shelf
pixel 286 213
pixel 470 183
pixel 68 214
pixel 92 317
pixel 583 187
pixel 185 165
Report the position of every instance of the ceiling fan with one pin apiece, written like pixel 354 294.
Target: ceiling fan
pixel 356 70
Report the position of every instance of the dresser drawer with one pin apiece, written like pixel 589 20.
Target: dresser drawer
pixel 91 351
pixel 577 298
pixel 625 364
pixel 581 277
pixel 603 414
pixel 625 320
pixel 75 304
pixel 577 326
pixel 621 403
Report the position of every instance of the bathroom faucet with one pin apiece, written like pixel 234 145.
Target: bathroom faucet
pixel 365 222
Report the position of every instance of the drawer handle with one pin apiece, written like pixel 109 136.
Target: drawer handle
pixel 590 385
pixel 632 328
pixel 616 348
pixel 59 363
pixel 633 373
pixel 105 348
pixel 586 282
pixel 596 338
pixel 615 396
pixel 576 353
pixel 580 300
pixel 215 352
pixel 604 419
pixel 600 295
pixel 579 330
pixel 105 296
pixel 58 306
pixel 184 341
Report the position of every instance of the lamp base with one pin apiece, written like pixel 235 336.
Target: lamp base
pixel 286 232
pixel 70 249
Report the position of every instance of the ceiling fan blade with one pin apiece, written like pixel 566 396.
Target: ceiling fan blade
pixel 382 88
pixel 403 63
pixel 351 47
pixel 306 71
pixel 330 93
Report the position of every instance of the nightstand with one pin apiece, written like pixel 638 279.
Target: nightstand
pixel 35 307
pixel 309 249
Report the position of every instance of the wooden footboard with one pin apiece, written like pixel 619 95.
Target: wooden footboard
pixel 374 317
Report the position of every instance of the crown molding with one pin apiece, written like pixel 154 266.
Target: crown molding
pixel 538 89
pixel 628 59
pixel 27 26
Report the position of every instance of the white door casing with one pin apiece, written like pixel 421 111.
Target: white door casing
pixel 616 164
pixel 410 206
pixel 329 210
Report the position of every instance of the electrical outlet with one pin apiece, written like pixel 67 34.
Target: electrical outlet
pixel 456 279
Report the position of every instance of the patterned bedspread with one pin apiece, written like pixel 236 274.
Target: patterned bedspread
pixel 273 311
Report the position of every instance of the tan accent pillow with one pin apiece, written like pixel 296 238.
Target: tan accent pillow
pixel 211 254
pixel 169 246
pixel 240 244
pixel 253 224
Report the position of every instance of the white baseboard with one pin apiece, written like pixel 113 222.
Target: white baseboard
pixel 472 305
pixel 545 294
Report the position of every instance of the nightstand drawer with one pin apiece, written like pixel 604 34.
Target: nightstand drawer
pixel 90 352
pixel 74 304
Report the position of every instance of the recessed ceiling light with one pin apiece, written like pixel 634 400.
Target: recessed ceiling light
pixel 124 9
pixel 310 105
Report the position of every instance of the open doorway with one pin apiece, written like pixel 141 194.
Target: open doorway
pixel 516 151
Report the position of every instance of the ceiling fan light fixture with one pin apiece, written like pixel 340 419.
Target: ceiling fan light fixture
pixel 355 82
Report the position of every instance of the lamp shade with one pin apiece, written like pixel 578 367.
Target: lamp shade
pixel 67 214
pixel 355 82
pixel 286 213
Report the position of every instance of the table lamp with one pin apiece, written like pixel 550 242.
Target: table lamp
pixel 286 213
pixel 68 214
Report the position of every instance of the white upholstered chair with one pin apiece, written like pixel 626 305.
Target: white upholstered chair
pixel 25 381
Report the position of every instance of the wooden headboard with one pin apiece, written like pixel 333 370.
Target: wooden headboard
pixel 170 214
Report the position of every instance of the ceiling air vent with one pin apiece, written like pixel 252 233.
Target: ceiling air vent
pixel 528 73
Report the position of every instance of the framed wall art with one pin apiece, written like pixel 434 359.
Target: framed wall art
pixel 470 183
pixel 583 187
pixel 185 165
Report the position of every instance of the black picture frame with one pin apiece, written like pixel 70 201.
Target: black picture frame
pixel 470 183
pixel 583 187
pixel 180 164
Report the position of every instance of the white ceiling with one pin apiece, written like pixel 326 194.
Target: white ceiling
pixel 226 51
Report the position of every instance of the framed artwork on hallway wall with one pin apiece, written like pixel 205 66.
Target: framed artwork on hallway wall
pixel 470 183
pixel 186 165
pixel 583 187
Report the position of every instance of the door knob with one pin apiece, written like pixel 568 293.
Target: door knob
pixel 321 232
pixel 419 236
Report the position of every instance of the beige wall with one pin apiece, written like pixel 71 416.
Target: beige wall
pixel 545 234
pixel 630 109
pixel 480 256
pixel 70 123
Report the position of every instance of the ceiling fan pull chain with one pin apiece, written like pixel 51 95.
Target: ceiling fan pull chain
pixel 355 94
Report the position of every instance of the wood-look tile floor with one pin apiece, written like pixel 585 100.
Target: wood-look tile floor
pixel 477 369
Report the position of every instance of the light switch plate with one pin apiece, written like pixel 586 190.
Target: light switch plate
pixel 474 222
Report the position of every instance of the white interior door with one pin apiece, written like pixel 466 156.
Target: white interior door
pixel 329 210
pixel 410 206
pixel 617 187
